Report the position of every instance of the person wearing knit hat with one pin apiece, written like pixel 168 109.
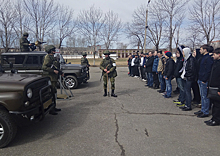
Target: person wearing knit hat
pixel 168 73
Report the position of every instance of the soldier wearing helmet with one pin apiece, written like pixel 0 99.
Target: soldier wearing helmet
pixel 24 43
pixel 49 62
pixel 84 61
pixel 108 67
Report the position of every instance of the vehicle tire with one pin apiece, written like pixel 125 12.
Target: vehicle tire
pixel 8 128
pixel 70 82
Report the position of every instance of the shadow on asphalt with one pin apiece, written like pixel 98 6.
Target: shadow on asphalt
pixel 54 126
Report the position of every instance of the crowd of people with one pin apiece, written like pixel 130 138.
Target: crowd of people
pixel 194 72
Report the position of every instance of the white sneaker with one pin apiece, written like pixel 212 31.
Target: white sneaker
pixel 144 80
pixel 135 76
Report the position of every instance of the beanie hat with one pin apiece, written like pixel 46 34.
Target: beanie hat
pixel 168 54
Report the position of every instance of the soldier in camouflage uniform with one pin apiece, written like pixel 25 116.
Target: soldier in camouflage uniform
pixel 108 66
pixel 84 61
pixel 51 69
pixel 24 43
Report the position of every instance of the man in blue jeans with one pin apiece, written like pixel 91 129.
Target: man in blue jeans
pixel 188 75
pixel 168 73
pixel 205 66
pixel 148 65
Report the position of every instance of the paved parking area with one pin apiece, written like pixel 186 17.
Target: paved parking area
pixel 139 122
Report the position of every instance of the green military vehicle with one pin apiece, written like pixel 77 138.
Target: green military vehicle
pixel 22 96
pixel 31 63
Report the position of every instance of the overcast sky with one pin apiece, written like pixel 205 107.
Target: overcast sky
pixel 124 8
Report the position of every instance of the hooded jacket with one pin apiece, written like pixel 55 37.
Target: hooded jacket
pixel 189 66
pixel 178 65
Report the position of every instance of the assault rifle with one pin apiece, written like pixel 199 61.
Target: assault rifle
pixel 55 68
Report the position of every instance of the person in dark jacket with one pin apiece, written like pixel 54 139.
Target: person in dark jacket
pixel 129 65
pixel 168 73
pixel 136 66
pixel 188 75
pixel 195 87
pixel 148 65
pixel 154 71
pixel 142 69
pixel 214 82
pixel 179 65
pixel 205 66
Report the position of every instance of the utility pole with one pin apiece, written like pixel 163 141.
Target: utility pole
pixel 146 26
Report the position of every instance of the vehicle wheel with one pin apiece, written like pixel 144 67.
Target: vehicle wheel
pixel 70 82
pixel 8 128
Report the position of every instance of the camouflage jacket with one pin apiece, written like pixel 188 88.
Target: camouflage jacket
pixel 24 44
pixel 50 60
pixel 110 65
pixel 84 61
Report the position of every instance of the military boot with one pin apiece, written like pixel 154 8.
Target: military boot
pixel 105 92
pixel 113 94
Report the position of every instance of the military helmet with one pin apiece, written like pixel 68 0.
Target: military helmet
pixel 106 52
pixel 50 48
pixel 25 34
pixel 84 54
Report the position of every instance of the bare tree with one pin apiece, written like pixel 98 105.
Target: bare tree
pixel 42 14
pixel 205 15
pixel 174 9
pixel 90 23
pixel 135 30
pixel 66 24
pixel 156 25
pixel 7 22
pixel 111 28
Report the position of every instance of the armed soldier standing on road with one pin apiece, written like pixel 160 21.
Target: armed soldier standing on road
pixel 51 69
pixel 108 66
pixel 84 61
pixel 24 43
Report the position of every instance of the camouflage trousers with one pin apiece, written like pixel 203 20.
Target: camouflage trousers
pixel 112 80
pixel 54 86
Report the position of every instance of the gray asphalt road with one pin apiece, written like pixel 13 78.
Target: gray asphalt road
pixel 139 122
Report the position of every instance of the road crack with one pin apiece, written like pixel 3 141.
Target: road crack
pixel 116 137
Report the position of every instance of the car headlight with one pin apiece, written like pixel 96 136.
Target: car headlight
pixel 49 82
pixel 29 93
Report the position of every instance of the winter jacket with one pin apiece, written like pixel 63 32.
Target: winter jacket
pixel 129 61
pixel 178 67
pixel 205 67
pixel 155 64
pixel 149 64
pixel 169 68
pixel 136 62
pixel 214 78
pixel 190 68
